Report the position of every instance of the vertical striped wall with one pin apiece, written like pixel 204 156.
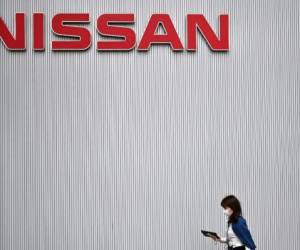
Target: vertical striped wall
pixel 133 150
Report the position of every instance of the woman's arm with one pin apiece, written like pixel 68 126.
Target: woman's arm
pixel 222 239
pixel 242 232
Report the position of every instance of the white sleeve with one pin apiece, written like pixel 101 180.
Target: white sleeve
pixel 223 239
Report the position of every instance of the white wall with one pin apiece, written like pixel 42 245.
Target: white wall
pixel 131 151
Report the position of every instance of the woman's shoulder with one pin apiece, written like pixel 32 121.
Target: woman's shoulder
pixel 240 224
pixel 240 220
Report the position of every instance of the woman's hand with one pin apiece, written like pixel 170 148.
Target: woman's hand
pixel 215 238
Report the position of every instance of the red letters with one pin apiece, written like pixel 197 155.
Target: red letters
pixel 38 31
pixel 103 27
pixel 70 25
pixel 9 41
pixel 171 36
pixel 195 21
pixel 60 29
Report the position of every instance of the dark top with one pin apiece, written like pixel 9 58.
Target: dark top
pixel 241 230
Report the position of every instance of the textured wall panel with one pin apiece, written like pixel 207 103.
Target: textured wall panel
pixel 131 151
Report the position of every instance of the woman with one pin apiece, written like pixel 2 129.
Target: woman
pixel 238 235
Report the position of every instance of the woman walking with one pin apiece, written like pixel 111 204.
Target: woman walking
pixel 238 235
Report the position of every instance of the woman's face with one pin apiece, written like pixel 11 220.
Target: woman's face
pixel 228 211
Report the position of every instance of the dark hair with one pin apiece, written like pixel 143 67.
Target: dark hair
pixel 232 202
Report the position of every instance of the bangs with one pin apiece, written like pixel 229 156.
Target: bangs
pixel 229 201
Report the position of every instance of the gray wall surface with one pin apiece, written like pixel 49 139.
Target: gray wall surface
pixel 133 150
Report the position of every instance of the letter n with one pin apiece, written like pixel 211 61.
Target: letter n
pixel 198 22
pixel 11 42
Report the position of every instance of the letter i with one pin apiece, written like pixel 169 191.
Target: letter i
pixel 38 32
